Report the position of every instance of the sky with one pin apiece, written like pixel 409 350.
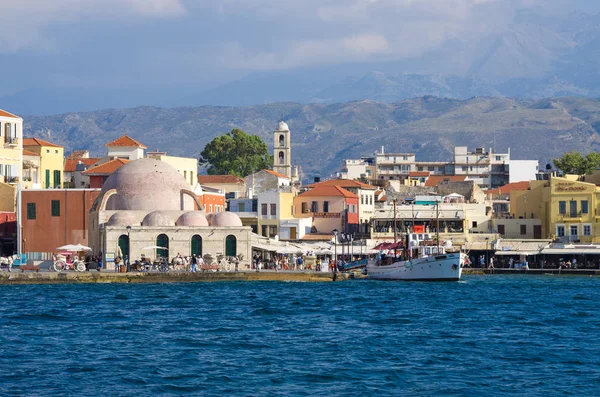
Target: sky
pixel 92 44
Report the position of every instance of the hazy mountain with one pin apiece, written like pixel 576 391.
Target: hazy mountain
pixel 324 134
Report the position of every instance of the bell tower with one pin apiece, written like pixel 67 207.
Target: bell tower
pixel 282 151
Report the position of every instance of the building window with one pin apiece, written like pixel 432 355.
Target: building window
pixel 474 224
pixel 55 208
pixel 562 207
pixel 371 199
pixel 419 168
pixel 501 229
pixel 587 230
pixel 55 151
pixel 184 174
pixel 281 158
pixel 465 168
pixel 242 207
pixel 210 208
pixel 523 230
pixel 362 198
pixel 263 209
pixel 273 209
pixel 304 208
pixel 230 245
pixel 430 168
pixel 314 206
pixel 47 150
pixel 31 211
pixel 57 182
pixel 281 140
pixel 584 206
pixel 498 158
pixel 573 208
pixel 560 230
pixel 272 231
pixel 325 206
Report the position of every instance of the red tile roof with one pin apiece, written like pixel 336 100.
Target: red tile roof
pixel 509 188
pixel 333 191
pixel 126 141
pixel 345 183
pixel 75 154
pixel 4 113
pixel 106 168
pixel 29 153
pixel 317 237
pixel 435 180
pixel 205 179
pixel 37 142
pixel 416 174
pixel 277 174
pixel 71 164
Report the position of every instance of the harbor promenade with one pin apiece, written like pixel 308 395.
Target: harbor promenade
pixel 72 277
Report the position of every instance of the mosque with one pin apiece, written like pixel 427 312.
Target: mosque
pixel 147 208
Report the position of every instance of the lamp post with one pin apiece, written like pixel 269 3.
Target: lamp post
pixel 487 239
pixel 128 258
pixel 335 234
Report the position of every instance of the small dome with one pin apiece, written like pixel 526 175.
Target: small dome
pixel 225 219
pixel 282 126
pixel 158 218
pixel 192 218
pixel 123 218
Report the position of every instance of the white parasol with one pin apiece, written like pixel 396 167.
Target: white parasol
pixel 74 247
pixel 155 247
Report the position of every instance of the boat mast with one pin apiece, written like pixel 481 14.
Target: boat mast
pixel 395 229
pixel 437 224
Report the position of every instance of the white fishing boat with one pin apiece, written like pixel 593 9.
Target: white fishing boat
pixel 418 258
pixel 421 261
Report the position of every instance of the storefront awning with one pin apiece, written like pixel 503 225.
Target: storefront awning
pixel 525 253
pixel 571 251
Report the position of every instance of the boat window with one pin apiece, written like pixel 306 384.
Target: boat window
pixel 420 237
pixel 414 236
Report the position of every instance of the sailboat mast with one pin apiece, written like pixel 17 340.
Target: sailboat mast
pixel 437 223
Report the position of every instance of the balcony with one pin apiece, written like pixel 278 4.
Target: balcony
pixel 11 141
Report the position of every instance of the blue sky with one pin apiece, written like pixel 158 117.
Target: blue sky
pixel 163 44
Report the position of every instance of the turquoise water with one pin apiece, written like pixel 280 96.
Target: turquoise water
pixel 483 336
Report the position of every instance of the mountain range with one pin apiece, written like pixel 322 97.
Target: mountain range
pixel 537 55
pixel 325 134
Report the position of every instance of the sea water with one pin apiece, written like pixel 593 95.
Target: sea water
pixel 482 336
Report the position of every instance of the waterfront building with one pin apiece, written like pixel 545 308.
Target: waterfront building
pixel 211 199
pixel 363 168
pixel 567 207
pixel 11 148
pixel 233 186
pixel 146 204
pixel 124 147
pixel 51 218
pixel 331 207
pixel 51 161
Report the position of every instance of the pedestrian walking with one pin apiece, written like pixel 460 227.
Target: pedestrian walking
pixel 194 263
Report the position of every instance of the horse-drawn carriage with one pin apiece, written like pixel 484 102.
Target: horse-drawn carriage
pixel 222 263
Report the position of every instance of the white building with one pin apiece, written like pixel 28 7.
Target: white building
pixel 523 170
pixel 11 148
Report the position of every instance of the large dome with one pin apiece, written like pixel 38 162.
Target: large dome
pixel 124 218
pixel 282 126
pixel 159 218
pixel 149 185
pixel 225 219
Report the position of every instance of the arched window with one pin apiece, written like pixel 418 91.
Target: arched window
pixel 230 245
pixel 196 245
pixel 281 158
pixel 124 245
pixel 281 140
pixel 162 241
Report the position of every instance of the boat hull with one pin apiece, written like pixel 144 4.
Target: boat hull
pixel 446 267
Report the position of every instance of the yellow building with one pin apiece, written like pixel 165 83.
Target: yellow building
pixel 567 207
pixel 51 161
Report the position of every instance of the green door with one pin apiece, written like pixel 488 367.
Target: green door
pixel 57 181
pixel 230 246
pixel 124 245
pixel 162 241
pixel 196 245
pixel 47 179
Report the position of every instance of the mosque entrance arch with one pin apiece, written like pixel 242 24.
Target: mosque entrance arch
pixel 124 245
pixel 196 245
pixel 230 245
pixel 162 241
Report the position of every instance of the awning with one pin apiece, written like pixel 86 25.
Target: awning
pixel 526 253
pixel 571 251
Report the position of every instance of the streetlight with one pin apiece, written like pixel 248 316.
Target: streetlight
pixel 486 252
pixel 128 258
pixel 335 233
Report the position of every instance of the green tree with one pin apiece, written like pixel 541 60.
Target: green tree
pixel 575 163
pixel 236 153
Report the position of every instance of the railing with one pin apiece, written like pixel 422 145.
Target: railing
pixel 11 141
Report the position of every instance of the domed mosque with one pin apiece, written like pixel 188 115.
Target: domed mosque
pixel 146 204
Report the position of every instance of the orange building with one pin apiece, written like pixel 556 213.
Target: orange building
pixel 51 218
pixel 213 200
pixel 331 207
pixel 101 172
